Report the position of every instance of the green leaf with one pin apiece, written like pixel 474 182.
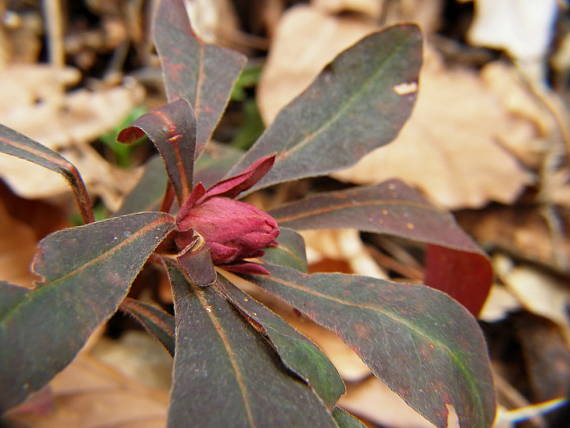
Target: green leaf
pixel 87 272
pixel 172 129
pixel 297 352
pixel 345 420
pixel 210 167
pixel 15 144
pixel 455 264
pixel 423 345
pixel 10 296
pixel 148 192
pixel 225 373
pixel 359 102
pixel 215 162
pixel 154 320
pixel 290 251
pixel 202 73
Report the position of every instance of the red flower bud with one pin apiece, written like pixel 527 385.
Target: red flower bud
pixel 232 229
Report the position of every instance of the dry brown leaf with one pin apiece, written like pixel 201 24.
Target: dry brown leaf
pixel 371 8
pixel 374 401
pixel 17 248
pixel 541 294
pixel 521 231
pixel 443 149
pixel 65 123
pixel 89 393
pixel 498 305
pixel 293 62
pixel 449 146
pixel 341 244
pixel 137 355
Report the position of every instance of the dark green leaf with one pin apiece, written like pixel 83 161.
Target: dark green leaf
pixel 290 251
pixel 10 296
pixel 297 352
pixel 394 208
pixel 428 349
pixel 226 374
pixel 210 167
pixel 15 144
pixel 149 190
pixel 214 163
pixel 357 103
pixel 202 73
pixel 87 271
pixel 155 321
pixel 172 129
pixel 345 420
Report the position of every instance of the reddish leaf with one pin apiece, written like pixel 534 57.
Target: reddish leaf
pixel 418 341
pixel 172 129
pixel 195 261
pixel 87 271
pixel 225 373
pixel 455 264
pixel 465 276
pixel 15 144
pixel 297 352
pixel 155 321
pixel 202 73
pixel 354 106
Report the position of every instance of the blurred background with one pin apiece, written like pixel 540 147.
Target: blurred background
pixel 489 140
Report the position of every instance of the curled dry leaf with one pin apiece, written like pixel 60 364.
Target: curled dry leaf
pixel 17 248
pixel 90 393
pixel 372 8
pixel 520 231
pixel 541 294
pixel 65 123
pixel 373 400
pixel 293 63
pixel 443 149
pixel 523 28
pixel 341 244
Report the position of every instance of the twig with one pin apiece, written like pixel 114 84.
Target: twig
pixel 54 22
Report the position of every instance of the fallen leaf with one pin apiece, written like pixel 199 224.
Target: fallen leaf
pixel 372 8
pixel 65 123
pixel 523 28
pixel 541 294
pixel 17 248
pixel 293 63
pixel 373 400
pixel 443 149
pixel 341 244
pixel 498 305
pixel 546 356
pixel 521 231
pixel 137 355
pixel 89 393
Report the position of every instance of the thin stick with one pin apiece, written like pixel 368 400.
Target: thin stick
pixel 54 22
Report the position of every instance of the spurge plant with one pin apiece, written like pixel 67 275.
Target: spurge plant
pixel 236 362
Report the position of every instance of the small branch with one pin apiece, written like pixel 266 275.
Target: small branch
pixel 54 22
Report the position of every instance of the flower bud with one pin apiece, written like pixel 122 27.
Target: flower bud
pixel 233 230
